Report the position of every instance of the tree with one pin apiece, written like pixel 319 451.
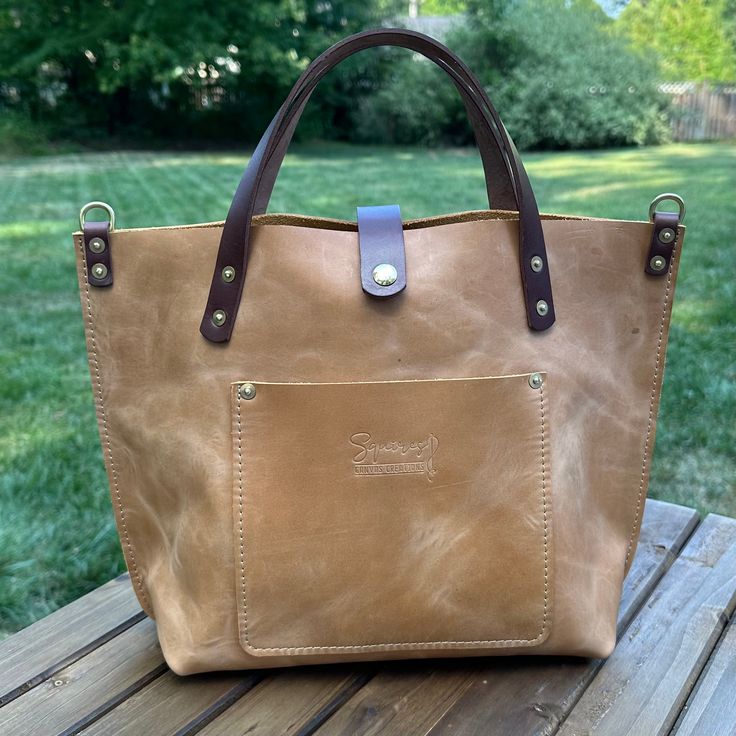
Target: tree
pixel 558 75
pixel 133 63
pixel 694 39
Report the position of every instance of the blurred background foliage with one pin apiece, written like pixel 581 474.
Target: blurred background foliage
pixel 563 73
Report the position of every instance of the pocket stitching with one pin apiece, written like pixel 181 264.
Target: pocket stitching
pixel 388 646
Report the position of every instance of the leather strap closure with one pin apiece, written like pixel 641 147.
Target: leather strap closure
pixel 662 245
pixel 224 297
pixel 382 258
pixel 97 253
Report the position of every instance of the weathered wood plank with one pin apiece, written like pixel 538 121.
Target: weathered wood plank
pixel 288 703
pixel 712 707
pixel 406 698
pixel 33 654
pixel 531 696
pixel 525 695
pixel 665 529
pixel 643 685
pixel 170 703
pixel 89 687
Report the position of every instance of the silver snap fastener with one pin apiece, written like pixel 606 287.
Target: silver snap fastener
pixel 97 245
pixel 228 274
pixel 536 263
pixel 666 235
pixel 99 270
pixel 384 274
pixel 657 263
pixel 535 380
pixel 219 317
pixel 247 391
pixel 542 308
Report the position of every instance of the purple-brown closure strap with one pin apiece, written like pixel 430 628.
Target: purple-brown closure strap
pixel 225 295
pixel 382 257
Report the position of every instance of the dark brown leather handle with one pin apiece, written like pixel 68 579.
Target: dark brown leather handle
pixel 224 297
pixel 499 187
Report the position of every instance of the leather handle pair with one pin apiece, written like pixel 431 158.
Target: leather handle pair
pixel 499 187
pixel 225 295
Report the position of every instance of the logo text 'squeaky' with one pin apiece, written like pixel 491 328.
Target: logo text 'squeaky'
pixel 393 457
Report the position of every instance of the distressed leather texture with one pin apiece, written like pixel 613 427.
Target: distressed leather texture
pixel 310 557
pixel 420 510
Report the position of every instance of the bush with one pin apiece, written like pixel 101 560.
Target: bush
pixel 19 135
pixel 558 75
pixel 416 103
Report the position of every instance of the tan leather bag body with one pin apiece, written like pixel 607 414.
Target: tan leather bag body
pixel 388 440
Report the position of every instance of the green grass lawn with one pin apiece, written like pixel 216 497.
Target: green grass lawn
pixel 57 537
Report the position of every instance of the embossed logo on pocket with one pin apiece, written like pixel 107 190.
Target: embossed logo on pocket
pixel 393 457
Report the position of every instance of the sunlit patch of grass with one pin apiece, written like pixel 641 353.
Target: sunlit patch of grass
pixel 57 537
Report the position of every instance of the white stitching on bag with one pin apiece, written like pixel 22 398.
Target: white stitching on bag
pixel 103 416
pixel 657 367
pixel 388 646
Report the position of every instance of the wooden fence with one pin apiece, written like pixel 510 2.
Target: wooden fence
pixel 702 112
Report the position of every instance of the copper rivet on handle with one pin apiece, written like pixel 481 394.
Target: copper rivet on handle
pixel 219 317
pixel 657 263
pixel 666 235
pixel 535 380
pixel 97 245
pixel 99 270
pixel 536 263
pixel 542 308
pixel 247 391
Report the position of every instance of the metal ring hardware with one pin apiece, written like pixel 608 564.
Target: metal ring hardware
pixel 667 196
pixel 97 205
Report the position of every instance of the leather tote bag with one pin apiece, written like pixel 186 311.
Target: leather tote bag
pixel 335 441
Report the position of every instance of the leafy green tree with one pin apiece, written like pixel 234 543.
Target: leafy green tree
pixel 558 75
pixel 442 7
pixel 123 63
pixel 694 39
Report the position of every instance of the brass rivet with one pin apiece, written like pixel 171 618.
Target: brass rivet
pixel 666 235
pixel 247 391
pixel 384 274
pixel 228 274
pixel 542 308
pixel 535 380
pixel 99 270
pixel 536 263
pixel 97 245
pixel 657 263
pixel 219 317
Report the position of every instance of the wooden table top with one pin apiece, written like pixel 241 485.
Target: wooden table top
pixel 94 667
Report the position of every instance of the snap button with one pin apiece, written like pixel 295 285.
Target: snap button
pixel 384 274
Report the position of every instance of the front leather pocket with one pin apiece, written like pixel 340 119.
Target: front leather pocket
pixel 397 515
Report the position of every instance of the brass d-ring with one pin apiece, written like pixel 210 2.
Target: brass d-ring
pixel 97 205
pixel 668 196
